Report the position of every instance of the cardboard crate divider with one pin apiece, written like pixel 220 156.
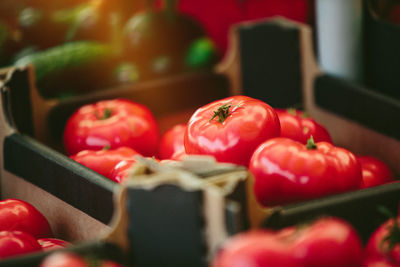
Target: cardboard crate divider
pixel 180 211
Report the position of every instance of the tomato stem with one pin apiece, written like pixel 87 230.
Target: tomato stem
pixel 310 143
pixel 291 111
pixel 106 114
pixel 393 237
pixel 222 112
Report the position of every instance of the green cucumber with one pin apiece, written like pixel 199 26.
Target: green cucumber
pixel 64 57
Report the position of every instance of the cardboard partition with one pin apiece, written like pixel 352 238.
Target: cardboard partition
pixel 179 213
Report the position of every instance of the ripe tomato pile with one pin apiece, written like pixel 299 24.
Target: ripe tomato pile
pixel 23 229
pixel 325 242
pixel 290 155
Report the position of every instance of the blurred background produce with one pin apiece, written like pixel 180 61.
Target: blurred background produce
pixel 80 46
pixel 83 46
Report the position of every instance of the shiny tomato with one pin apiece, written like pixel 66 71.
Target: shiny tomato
pixel 14 243
pixel 231 129
pixel 287 171
pixel 64 259
pixel 19 215
pixel 295 125
pixel 171 141
pixel 378 262
pixel 374 171
pixel 112 124
pixel 52 243
pixel 326 242
pixel 121 171
pixel 104 161
pixel 68 259
pixel 384 244
pixel 178 155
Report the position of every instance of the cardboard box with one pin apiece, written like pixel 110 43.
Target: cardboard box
pixel 296 79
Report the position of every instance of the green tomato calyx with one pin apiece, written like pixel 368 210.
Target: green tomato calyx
pixel 310 143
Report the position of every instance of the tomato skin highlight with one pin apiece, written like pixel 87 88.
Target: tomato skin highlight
pixel 325 242
pixel 121 171
pixel 18 215
pixel 299 128
pixel 64 259
pixel 248 123
pixel 13 243
pixel 374 171
pixel 52 243
pixel 112 123
pixel 286 171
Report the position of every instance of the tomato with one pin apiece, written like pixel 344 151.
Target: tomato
pixel 52 243
pixel 374 171
pixel 171 141
pixel 64 259
pixel 21 216
pixel 104 161
pixel 378 262
pixel 68 259
pixel 384 244
pixel 121 170
pixel 179 154
pixel 326 242
pixel 287 171
pixel 295 125
pixel 231 129
pixel 112 123
pixel 14 243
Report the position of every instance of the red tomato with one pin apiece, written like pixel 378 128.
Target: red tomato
pixel 64 259
pixel 178 155
pixel 231 129
pixel 287 171
pixel 14 243
pixel 52 243
pixel 68 259
pixel 121 171
pixel 296 126
pixel 378 262
pixel 374 171
pixel 104 161
pixel 112 123
pixel 326 242
pixel 384 244
pixel 21 216
pixel 171 141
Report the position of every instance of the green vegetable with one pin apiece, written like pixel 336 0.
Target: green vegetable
pixel 64 57
pixel 201 53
